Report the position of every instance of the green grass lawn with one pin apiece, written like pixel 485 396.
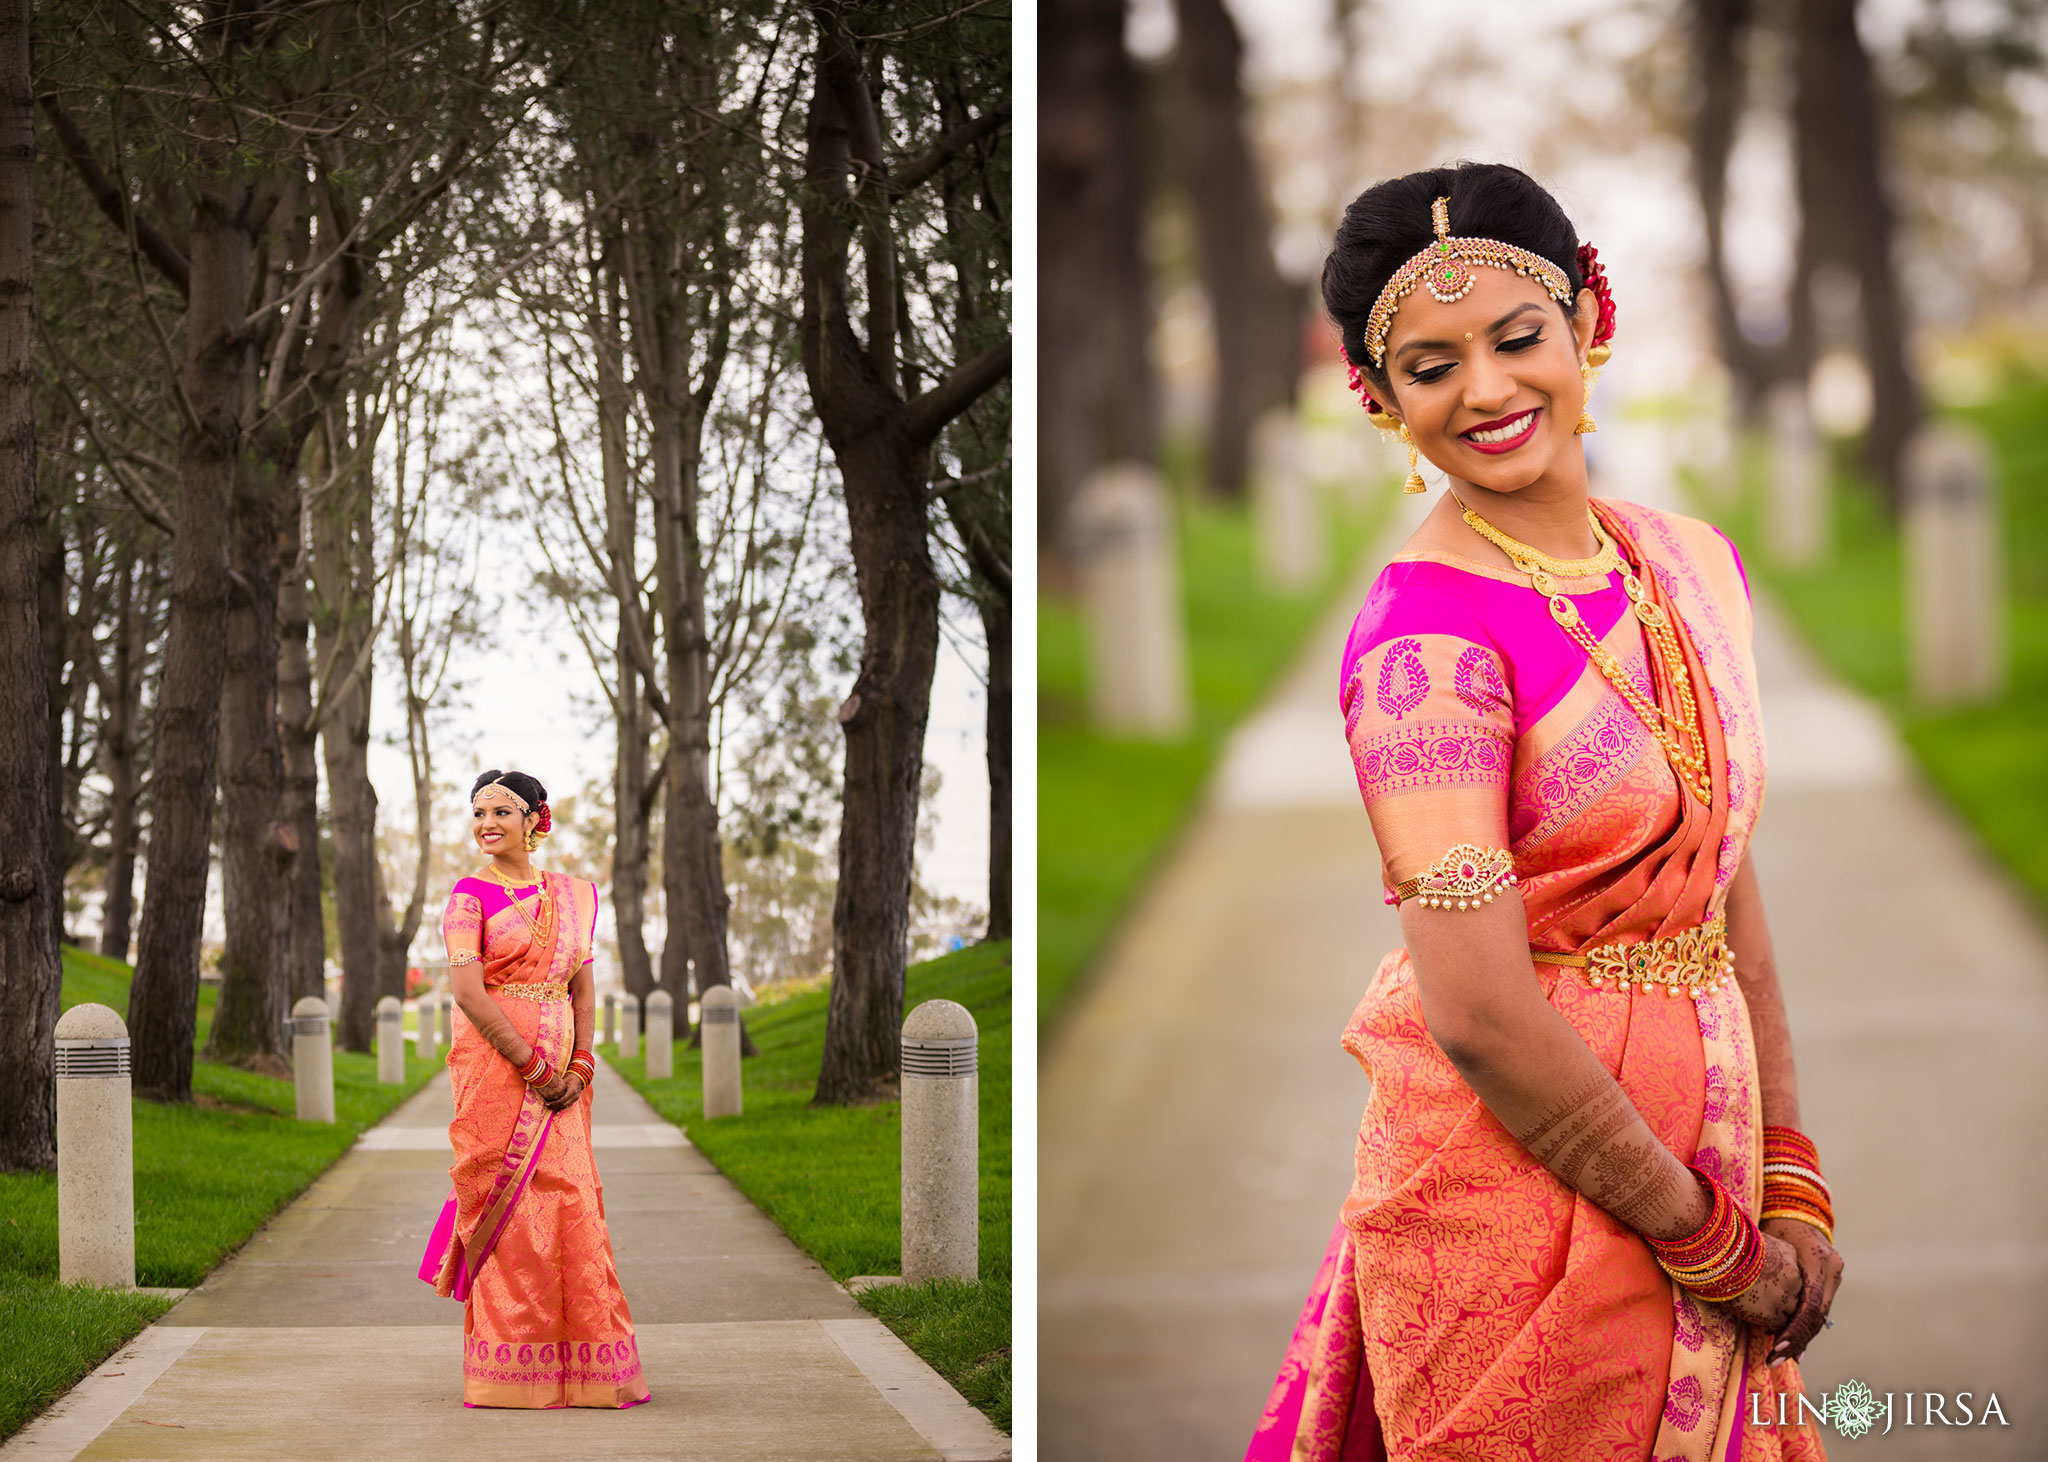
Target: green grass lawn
pixel 1991 760
pixel 832 1176
pixel 1108 808
pixel 207 1176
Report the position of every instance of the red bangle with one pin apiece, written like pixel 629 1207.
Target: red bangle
pixel 1723 1258
pixel 535 1072
pixel 1793 1185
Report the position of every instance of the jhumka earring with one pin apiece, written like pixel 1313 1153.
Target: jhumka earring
pixel 1414 483
pixel 1590 372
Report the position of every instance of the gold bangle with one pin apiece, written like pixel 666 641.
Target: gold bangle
pixel 1806 1218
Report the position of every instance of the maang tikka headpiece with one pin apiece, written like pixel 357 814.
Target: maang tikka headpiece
pixel 499 786
pixel 1445 266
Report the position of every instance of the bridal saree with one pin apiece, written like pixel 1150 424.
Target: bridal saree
pixel 1470 1306
pixel 522 1241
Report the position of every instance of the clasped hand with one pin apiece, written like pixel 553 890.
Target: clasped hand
pixel 1797 1288
pixel 1820 1272
pixel 560 1091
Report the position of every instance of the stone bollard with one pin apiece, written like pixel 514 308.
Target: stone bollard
pixel 1284 502
pixel 1121 530
pixel 719 1008
pixel 611 1017
pixel 941 1144
pixel 1797 508
pixel 447 1020
pixel 95 1150
pixel 426 1011
pixel 390 1042
pixel 313 1060
pixel 661 1036
pixel 1955 572
pixel 629 1027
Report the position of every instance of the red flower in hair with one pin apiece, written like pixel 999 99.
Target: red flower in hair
pixel 1357 378
pixel 1595 275
pixel 546 822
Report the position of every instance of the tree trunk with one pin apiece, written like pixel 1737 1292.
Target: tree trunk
pixel 306 950
pixel 979 505
pixel 630 846
pixel 1256 315
pixel 53 618
pixel 120 754
pixel 1719 31
pixel 884 722
pixel 342 628
pixel 258 844
pixel 881 442
pixel 395 933
pixel 394 939
pixel 1095 380
pixel 1847 216
pixel 995 624
pixel 632 796
pixel 30 974
pixel 163 1001
pixel 693 871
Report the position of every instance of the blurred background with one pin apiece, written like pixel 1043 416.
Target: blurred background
pixel 1826 225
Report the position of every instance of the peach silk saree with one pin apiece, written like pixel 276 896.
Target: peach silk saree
pixel 1470 1306
pixel 523 1242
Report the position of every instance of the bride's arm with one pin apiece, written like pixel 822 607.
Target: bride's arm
pixel 1486 1010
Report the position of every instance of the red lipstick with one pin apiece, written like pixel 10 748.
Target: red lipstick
pixel 1494 449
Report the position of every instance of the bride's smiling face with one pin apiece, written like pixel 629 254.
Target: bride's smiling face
pixel 1490 384
pixel 498 826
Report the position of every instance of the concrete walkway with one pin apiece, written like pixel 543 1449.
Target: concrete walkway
pixel 1197 1117
pixel 319 1341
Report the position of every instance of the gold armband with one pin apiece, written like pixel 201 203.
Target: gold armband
pixel 464 959
pixel 1463 878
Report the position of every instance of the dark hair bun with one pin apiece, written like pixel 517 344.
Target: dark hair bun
pixel 527 789
pixel 1389 223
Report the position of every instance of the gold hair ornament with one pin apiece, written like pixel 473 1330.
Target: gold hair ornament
pixel 476 799
pixel 1445 267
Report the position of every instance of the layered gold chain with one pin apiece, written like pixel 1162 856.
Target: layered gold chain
pixel 542 920
pixel 1682 737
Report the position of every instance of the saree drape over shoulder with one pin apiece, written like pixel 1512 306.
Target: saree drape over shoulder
pixel 1471 1306
pixel 545 1323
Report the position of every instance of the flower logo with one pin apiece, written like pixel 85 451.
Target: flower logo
pixel 1852 1408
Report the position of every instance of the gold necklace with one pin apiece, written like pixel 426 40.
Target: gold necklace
pixel 542 921
pixel 1682 737
pixel 1599 566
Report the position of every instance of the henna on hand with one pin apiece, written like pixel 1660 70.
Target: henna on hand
pixel 1596 1143
pixel 1771 1302
pixel 1822 1268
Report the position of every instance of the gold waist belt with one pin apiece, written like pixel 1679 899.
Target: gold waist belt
pixel 1694 960
pixel 549 990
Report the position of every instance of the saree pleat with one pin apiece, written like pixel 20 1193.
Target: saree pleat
pixel 545 1322
pixel 1471 1306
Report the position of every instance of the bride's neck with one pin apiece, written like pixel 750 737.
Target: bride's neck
pixel 1549 514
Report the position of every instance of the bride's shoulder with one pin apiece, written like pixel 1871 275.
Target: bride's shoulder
pixel 1698 539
